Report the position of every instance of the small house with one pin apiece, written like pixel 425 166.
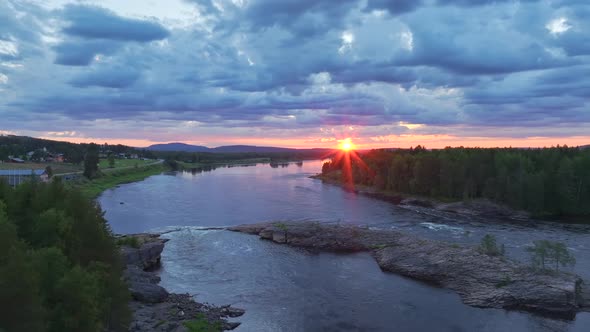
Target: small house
pixel 12 159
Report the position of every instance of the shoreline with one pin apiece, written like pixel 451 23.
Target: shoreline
pixel 113 178
pixel 153 307
pixel 480 207
pixel 480 280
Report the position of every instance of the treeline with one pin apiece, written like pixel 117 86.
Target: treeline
pixel 19 146
pixel 60 269
pixel 222 157
pixel 547 182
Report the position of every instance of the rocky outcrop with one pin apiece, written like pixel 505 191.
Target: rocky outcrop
pixel 154 309
pixel 175 311
pixel 145 251
pixel 480 280
pixel 480 207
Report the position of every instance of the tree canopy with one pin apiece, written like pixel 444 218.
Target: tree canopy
pixel 60 269
pixel 549 181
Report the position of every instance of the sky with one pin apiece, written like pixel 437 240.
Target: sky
pixel 297 73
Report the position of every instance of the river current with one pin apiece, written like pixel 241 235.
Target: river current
pixel 287 289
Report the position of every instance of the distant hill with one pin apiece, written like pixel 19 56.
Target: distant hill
pixel 222 149
pixel 251 148
pixel 178 147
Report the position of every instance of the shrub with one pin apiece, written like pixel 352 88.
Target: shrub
pixel 489 246
pixel 129 241
pixel 201 324
pixel 546 254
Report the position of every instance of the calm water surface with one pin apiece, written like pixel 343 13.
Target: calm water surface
pixel 287 289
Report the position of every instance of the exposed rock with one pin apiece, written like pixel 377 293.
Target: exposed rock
pixel 147 292
pixel 135 274
pixel 417 202
pixel 147 255
pixel 476 207
pixel 232 312
pixel 171 314
pixel 480 280
pixel 482 207
pixel 154 309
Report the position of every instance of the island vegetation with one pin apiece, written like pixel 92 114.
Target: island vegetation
pixel 548 182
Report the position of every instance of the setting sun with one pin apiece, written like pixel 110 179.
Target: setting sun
pixel 346 145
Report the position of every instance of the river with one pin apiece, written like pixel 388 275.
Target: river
pixel 287 289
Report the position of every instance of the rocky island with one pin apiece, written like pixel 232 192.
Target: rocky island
pixel 154 309
pixel 480 280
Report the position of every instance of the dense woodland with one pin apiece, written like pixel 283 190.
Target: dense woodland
pixel 547 182
pixel 60 269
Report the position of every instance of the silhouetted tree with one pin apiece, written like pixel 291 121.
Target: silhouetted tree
pixel 91 160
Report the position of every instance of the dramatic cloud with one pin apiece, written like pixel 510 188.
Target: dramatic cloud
pixel 99 23
pixel 301 71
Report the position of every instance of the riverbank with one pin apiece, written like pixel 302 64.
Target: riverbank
pixel 480 280
pixel 93 188
pixel 154 309
pixel 476 207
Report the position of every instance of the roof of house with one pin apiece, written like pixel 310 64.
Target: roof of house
pixel 16 159
pixel 22 172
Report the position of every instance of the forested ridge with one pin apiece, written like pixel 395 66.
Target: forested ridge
pixel 60 269
pixel 547 182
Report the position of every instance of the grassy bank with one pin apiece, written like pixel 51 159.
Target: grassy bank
pixel 187 165
pixel 122 163
pixel 93 188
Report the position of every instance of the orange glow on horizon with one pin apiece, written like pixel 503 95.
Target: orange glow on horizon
pixel 360 143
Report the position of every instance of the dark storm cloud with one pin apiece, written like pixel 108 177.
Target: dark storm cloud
pixel 471 3
pixel 115 77
pixel 395 7
pixel 98 23
pixel 82 53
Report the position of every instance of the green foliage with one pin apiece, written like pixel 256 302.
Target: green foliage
pixel 60 269
pixel 201 324
pixel 281 226
pixel 19 283
pixel 92 189
pixel 546 255
pixel 91 160
pixel 489 246
pixel 111 160
pixel 130 241
pixel 49 171
pixel 547 182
